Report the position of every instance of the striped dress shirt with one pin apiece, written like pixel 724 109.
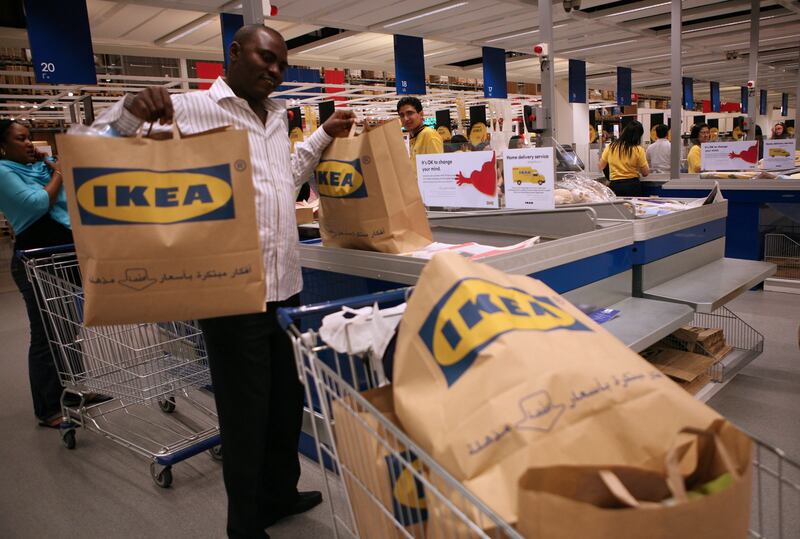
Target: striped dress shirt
pixel 277 173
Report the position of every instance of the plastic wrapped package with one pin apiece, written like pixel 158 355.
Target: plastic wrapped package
pixel 581 190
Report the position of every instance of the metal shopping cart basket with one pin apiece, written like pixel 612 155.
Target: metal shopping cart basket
pixel 381 484
pixel 138 365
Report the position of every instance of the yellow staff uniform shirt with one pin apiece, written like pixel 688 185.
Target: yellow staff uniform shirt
pixel 624 167
pixel 426 141
pixel 694 159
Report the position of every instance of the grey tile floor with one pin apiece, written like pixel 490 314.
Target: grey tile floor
pixel 102 490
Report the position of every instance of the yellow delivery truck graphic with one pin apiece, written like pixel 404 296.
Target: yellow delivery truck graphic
pixel 778 152
pixel 526 174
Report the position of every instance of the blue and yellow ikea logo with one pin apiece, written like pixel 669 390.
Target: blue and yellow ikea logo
pixel 408 493
pixel 475 312
pixel 340 179
pixel 119 196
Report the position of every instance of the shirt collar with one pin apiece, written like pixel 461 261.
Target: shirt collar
pixel 220 90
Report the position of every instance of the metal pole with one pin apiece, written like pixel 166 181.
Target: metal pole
pixel 752 73
pixel 677 87
pixel 797 106
pixel 184 70
pixel 253 12
pixel 548 82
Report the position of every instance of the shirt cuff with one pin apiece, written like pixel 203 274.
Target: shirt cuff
pixel 127 123
pixel 319 140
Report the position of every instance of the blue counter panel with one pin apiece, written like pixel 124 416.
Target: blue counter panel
pixel 660 247
pixel 743 239
pixel 587 270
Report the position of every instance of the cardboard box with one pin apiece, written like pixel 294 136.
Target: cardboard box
pixel 304 215
pixel 707 341
pixel 688 369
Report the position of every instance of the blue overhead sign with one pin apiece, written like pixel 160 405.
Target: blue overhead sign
pixel 577 81
pixel 409 65
pixel 744 99
pixel 624 86
pixel 715 100
pixel 230 23
pixel 60 41
pixel 784 104
pixel 494 73
pixel 688 93
pixel 762 108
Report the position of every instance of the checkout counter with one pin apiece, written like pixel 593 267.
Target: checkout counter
pixel 745 199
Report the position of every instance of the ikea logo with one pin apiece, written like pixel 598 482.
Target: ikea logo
pixel 475 312
pixel 408 493
pixel 340 179
pixel 118 196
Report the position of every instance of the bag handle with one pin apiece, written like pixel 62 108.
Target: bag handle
pixel 352 132
pixel 675 481
pixel 176 132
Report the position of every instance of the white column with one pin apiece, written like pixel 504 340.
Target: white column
pixel 677 88
pixel 184 70
pixel 572 121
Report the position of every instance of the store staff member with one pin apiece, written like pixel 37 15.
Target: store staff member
pixel 658 153
pixel 626 159
pixel 423 139
pixel 699 134
pixel 258 394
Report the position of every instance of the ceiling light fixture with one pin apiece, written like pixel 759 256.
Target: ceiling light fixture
pixel 724 25
pixel 439 52
pixel 319 46
pixel 192 28
pixel 426 14
pixel 522 34
pixel 638 9
pixel 599 46
pixel 70 94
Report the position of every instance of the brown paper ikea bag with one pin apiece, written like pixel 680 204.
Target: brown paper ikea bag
pixel 564 502
pixel 496 373
pixel 369 197
pixel 164 229
pixel 377 469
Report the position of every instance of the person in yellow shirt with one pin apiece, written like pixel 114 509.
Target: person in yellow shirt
pixel 424 139
pixel 626 160
pixel 699 134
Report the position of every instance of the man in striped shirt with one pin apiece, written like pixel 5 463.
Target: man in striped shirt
pixel 258 395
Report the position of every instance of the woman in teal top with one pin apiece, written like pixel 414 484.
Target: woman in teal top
pixel 33 200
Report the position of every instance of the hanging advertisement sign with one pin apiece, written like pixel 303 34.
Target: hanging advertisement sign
pixel 60 41
pixel 409 65
pixel 688 93
pixel 715 100
pixel 779 154
pixel 624 86
pixel 458 180
pixel 495 84
pixel 740 155
pixel 528 178
pixel 577 81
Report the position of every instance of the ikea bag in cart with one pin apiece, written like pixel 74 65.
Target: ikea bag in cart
pixel 495 374
pixel 164 229
pixel 369 197
pixel 590 502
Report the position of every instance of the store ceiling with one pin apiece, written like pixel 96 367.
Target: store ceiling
pixel 605 34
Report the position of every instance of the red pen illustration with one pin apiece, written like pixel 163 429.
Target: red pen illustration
pixel 484 180
pixel 750 154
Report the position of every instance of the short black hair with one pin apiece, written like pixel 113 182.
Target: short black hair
pixel 410 100
pixel 459 139
pixel 5 125
pixel 661 130
pixel 694 134
pixel 246 32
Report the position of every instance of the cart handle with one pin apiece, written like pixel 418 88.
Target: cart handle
pixel 287 315
pixel 45 251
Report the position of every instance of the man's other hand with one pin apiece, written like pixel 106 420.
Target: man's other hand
pixel 152 104
pixel 339 124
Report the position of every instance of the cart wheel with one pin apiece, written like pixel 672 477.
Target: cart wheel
pixel 68 438
pixel 168 405
pixel 216 452
pixel 162 476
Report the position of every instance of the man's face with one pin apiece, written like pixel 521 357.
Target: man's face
pixel 257 65
pixel 410 117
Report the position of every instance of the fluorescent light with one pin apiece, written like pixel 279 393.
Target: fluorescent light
pixel 426 14
pixel 521 34
pixel 318 47
pixel 192 28
pixel 570 51
pixel 70 94
pixel 439 52
pixel 724 25
pixel 638 9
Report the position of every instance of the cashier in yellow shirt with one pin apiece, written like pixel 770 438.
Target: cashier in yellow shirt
pixel 626 160
pixel 699 134
pixel 423 138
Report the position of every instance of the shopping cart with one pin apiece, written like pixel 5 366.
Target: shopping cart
pixel 138 365
pixel 354 435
